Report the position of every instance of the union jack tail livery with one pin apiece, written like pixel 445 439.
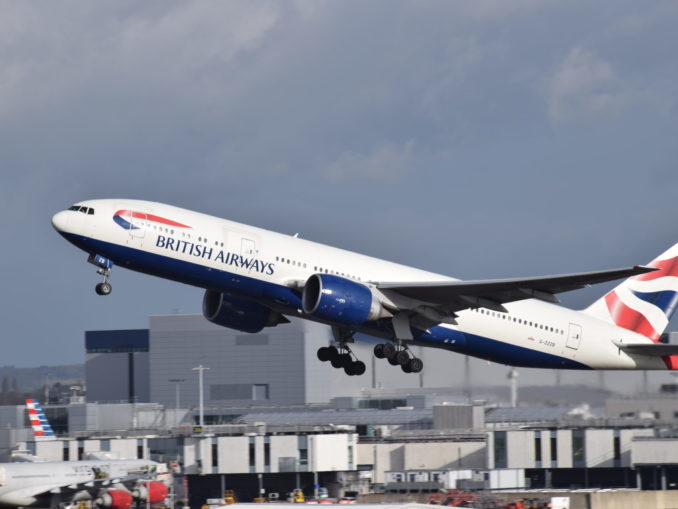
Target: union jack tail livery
pixel 41 428
pixel 643 303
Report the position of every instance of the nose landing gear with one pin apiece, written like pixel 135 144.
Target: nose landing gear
pixel 104 264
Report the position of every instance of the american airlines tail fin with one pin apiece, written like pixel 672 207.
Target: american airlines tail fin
pixel 644 303
pixel 41 428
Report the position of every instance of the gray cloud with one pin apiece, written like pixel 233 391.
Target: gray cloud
pixel 477 139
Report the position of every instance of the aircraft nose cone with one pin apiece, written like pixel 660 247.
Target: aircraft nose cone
pixel 60 221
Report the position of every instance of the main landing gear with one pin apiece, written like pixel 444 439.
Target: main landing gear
pixel 342 357
pixel 104 264
pixel 398 355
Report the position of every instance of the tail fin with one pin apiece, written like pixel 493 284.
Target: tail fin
pixel 644 303
pixel 41 428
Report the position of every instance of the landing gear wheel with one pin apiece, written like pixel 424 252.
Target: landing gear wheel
pixel 358 368
pixel 324 354
pixel 349 369
pixel 345 359
pixel 415 365
pixel 379 351
pixel 389 350
pixel 103 288
pixel 402 357
pixel 392 361
pixel 406 368
pixel 337 361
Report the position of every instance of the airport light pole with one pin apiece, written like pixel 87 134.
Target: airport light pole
pixel 200 370
pixel 177 381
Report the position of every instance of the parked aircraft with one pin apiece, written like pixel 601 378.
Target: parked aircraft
pixel 254 278
pixel 54 484
pixel 116 484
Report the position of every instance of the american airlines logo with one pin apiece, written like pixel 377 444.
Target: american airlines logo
pixel 209 253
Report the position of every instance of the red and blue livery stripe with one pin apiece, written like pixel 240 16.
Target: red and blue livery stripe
pixel 36 416
pixel 120 215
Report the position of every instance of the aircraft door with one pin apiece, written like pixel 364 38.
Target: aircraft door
pixel 574 336
pixel 137 223
pixel 247 248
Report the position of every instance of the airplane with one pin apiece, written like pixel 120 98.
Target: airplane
pixel 254 278
pixel 116 484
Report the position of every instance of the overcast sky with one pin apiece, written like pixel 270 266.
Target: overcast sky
pixel 478 139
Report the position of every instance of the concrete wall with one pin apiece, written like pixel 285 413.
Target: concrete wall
pixel 520 449
pixel 654 450
pixel 389 456
pixel 429 455
pixel 458 416
pixel 332 452
pixel 599 445
pixel 564 445
pixel 237 361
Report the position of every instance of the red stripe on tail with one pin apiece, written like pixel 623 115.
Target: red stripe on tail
pixel 629 318
pixel 667 267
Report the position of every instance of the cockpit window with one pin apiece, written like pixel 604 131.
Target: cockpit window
pixel 80 208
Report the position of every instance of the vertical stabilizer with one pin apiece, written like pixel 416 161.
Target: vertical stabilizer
pixel 644 303
pixel 41 428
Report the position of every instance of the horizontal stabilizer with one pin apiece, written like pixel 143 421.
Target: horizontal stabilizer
pixel 652 349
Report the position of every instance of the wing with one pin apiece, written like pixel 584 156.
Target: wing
pixel 457 295
pixel 651 349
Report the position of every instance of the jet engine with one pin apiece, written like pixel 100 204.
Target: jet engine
pixel 239 314
pixel 340 300
pixel 115 499
pixel 153 492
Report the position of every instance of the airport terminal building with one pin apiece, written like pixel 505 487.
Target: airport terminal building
pixel 277 418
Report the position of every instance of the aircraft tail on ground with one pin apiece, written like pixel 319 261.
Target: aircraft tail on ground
pixel 41 428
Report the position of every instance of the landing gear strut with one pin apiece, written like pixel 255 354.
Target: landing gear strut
pixel 104 264
pixel 398 356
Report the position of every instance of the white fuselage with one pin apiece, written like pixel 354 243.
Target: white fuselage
pixel 32 484
pixel 266 267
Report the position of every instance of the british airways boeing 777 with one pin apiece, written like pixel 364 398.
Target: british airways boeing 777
pixel 254 278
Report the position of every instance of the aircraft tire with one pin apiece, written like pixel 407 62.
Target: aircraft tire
pixel 103 288
pixel 392 361
pixel 402 357
pixel 406 368
pixel 323 354
pixel 349 369
pixel 358 368
pixel 345 360
pixel 415 365
pixel 379 351
pixel 389 350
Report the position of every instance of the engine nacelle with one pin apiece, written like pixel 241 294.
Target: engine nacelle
pixel 152 491
pixel 340 300
pixel 238 314
pixel 115 499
